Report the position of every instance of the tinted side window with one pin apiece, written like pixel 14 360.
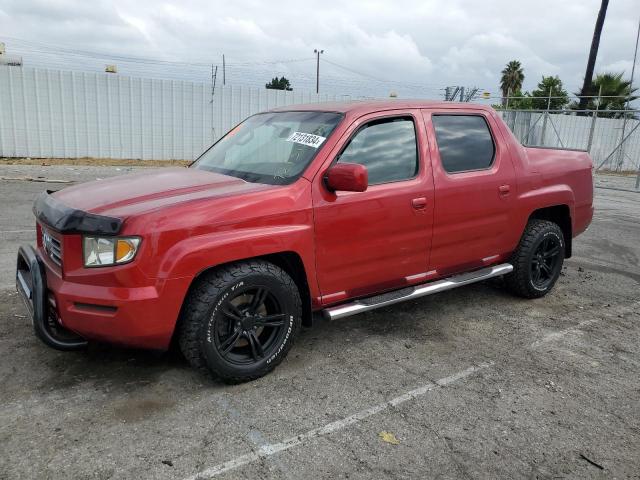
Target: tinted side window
pixel 387 148
pixel 464 142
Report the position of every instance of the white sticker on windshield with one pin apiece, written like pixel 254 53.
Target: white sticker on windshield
pixel 308 139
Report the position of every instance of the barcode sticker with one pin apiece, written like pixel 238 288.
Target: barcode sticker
pixel 308 139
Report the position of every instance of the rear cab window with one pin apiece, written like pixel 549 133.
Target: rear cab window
pixel 464 141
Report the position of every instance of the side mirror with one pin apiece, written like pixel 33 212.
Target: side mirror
pixel 347 177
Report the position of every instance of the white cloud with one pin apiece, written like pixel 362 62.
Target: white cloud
pixel 619 66
pixel 426 42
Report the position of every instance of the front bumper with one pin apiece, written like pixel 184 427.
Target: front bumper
pixel 31 283
pixel 67 312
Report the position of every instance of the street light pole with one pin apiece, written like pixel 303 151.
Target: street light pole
pixel 626 107
pixel 318 52
pixel 633 70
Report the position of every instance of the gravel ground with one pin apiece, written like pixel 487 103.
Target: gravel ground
pixel 471 383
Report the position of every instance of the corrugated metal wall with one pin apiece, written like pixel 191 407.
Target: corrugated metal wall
pixel 63 114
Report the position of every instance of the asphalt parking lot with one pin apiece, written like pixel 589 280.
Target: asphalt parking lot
pixel 470 383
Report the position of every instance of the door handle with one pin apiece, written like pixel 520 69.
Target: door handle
pixel 504 189
pixel 419 203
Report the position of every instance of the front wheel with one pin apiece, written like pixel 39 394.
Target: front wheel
pixel 537 261
pixel 239 321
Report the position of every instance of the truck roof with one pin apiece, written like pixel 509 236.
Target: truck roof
pixel 361 107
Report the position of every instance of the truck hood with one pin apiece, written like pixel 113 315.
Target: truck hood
pixel 142 192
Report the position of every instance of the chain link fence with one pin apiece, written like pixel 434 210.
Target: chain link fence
pixel 612 137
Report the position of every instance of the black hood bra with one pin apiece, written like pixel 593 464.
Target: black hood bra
pixel 65 219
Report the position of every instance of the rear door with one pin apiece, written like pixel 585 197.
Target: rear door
pixel 474 183
pixel 376 240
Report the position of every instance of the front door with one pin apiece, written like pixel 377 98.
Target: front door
pixel 368 242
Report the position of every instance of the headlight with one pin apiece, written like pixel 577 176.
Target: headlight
pixel 104 251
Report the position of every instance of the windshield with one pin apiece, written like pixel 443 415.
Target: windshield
pixel 273 148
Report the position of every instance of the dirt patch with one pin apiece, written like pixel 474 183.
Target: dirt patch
pixel 95 162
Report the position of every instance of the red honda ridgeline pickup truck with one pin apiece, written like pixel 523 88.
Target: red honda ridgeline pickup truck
pixel 334 208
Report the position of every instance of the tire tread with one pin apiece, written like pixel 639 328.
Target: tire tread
pixel 198 305
pixel 517 282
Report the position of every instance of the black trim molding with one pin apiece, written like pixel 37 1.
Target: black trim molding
pixel 70 220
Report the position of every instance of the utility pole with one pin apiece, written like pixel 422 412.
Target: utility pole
pixel 546 116
pixel 214 74
pixel 466 94
pixel 224 71
pixel 451 93
pixel 317 52
pixel 624 122
pixel 633 70
pixel 471 94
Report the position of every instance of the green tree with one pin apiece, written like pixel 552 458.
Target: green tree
pixel 511 80
pixel 549 87
pixel 615 91
pixel 520 101
pixel 279 84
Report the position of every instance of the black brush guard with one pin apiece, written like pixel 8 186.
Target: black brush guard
pixel 31 283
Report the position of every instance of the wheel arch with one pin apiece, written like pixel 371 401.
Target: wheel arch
pixel 560 215
pixel 290 261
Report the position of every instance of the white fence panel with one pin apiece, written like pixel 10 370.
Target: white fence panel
pixel 572 131
pixel 62 114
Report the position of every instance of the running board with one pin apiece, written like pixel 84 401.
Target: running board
pixel 410 293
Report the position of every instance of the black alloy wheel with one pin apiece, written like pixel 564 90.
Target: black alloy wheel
pixel 250 326
pixel 545 262
pixel 537 261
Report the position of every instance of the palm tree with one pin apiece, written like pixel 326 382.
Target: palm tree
pixel 511 80
pixel 615 91
pixel 593 53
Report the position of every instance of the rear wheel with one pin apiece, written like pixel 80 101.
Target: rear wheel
pixel 537 262
pixel 240 320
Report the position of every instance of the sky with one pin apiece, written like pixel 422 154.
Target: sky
pixel 371 48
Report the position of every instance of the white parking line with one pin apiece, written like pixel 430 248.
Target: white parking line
pixel 578 327
pixel 273 448
pixel 558 335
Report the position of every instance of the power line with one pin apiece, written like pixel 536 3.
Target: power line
pixel 53 49
pixel 250 73
pixel 366 75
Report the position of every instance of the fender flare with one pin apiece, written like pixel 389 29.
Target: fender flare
pixel 546 197
pixel 193 255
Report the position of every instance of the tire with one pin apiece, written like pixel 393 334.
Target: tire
pixel 537 261
pixel 239 321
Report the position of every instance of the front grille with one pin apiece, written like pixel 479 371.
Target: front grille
pixel 52 247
